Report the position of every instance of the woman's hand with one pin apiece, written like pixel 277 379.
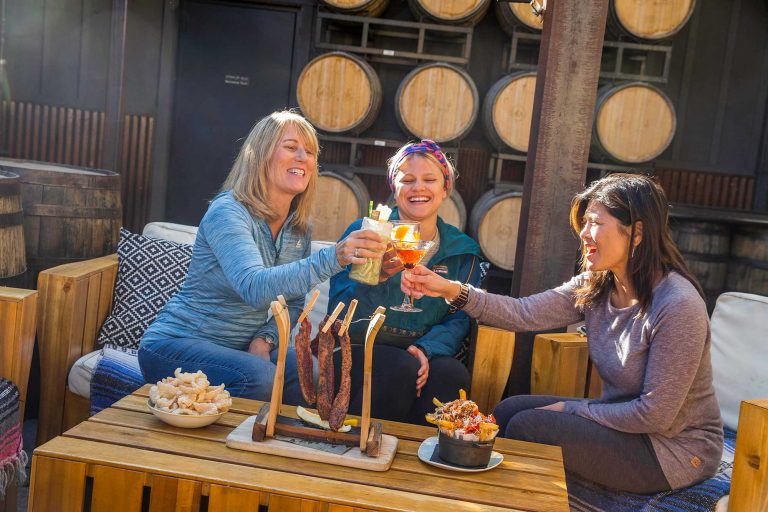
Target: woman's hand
pixel 420 281
pixel 260 348
pixel 390 264
pixel 557 407
pixel 423 374
pixel 360 245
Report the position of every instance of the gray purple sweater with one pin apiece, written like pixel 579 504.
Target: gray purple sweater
pixel 656 369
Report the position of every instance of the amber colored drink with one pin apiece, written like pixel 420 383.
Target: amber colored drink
pixel 410 257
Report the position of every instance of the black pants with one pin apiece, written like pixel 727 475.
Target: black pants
pixel 393 383
pixel 603 455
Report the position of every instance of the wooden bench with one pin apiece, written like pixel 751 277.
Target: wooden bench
pixel 76 298
pixel 17 338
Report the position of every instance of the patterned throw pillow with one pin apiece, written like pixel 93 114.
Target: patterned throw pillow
pixel 150 271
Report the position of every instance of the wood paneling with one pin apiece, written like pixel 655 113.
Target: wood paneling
pixel 73 136
pixel 706 188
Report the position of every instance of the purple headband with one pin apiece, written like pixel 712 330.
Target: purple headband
pixel 427 146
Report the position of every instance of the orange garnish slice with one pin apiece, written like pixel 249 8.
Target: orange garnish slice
pixel 401 231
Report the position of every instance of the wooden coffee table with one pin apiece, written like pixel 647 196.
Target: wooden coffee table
pixel 124 458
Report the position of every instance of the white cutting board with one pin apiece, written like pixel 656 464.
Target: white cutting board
pixel 240 439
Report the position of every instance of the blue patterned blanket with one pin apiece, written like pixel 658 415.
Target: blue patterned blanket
pixel 116 375
pixel 587 497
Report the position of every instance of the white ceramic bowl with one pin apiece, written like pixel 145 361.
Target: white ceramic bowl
pixel 184 420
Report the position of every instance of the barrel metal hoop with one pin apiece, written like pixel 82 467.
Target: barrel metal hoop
pixel 10 189
pixel 749 262
pixel 79 212
pixel 12 219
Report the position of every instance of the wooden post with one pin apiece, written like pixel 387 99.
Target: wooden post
pixel 558 151
pixel 115 111
pixel 749 483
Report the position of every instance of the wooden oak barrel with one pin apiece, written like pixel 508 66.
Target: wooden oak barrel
pixel 494 224
pixel 437 101
pixel 634 123
pixel 453 211
pixel 339 92
pixel 357 7
pixel 452 12
pixel 70 213
pixel 341 198
pixel 508 110
pixel 748 269
pixel 705 247
pixel 12 256
pixel 511 15
pixel 649 20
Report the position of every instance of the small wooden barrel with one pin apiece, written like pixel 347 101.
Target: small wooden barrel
pixel 340 200
pixel 634 123
pixel 437 101
pixel 649 21
pixel 748 270
pixel 12 256
pixel 70 213
pixel 705 247
pixel 511 15
pixel 452 12
pixel 339 92
pixel 371 8
pixel 494 224
pixel 508 110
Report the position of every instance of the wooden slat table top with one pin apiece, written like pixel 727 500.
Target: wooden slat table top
pixel 127 435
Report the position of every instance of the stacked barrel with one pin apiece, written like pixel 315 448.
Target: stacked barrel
pixel 342 94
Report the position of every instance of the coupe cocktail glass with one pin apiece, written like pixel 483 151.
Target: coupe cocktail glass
pixel 411 254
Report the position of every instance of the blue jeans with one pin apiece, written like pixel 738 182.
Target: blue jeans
pixel 242 373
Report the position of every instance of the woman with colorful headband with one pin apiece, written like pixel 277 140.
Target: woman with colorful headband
pixel 657 424
pixel 413 357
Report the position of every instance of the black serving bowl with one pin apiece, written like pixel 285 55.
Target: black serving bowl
pixel 464 453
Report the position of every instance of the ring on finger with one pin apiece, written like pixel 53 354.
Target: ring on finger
pixel 357 252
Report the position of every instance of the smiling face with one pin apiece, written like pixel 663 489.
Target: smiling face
pixel 605 240
pixel 291 165
pixel 419 188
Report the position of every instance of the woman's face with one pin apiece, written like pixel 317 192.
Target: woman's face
pixel 605 240
pixel 419 188
pixel 292 164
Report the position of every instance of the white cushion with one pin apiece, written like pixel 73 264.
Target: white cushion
pixel 79 378
pixel 169 231
pixel 739 352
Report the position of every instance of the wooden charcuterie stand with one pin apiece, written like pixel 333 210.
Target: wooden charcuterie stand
pixel 370 448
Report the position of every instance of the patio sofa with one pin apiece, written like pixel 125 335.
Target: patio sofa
pixel 77 298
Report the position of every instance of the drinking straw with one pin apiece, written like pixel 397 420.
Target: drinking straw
pixel 370 208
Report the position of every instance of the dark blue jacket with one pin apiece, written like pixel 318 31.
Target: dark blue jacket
pixel 439 332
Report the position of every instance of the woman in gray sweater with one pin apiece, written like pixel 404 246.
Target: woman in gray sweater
pixel 657 424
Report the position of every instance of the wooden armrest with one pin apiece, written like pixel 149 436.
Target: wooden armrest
pixel 493 350
pixel 749 482
pixel 18 313
pixel 560 366
pixel 74 301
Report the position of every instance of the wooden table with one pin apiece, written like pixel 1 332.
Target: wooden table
pixel 124 456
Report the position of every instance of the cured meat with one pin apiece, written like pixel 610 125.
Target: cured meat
pixel 325 346
pixel 341 401
pixel 304 362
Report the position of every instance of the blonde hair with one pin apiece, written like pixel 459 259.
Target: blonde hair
pixel 249 177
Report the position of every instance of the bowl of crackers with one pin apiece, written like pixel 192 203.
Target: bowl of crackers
pixel 188 400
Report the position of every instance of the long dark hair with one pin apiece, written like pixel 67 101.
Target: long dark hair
pixel 631 198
